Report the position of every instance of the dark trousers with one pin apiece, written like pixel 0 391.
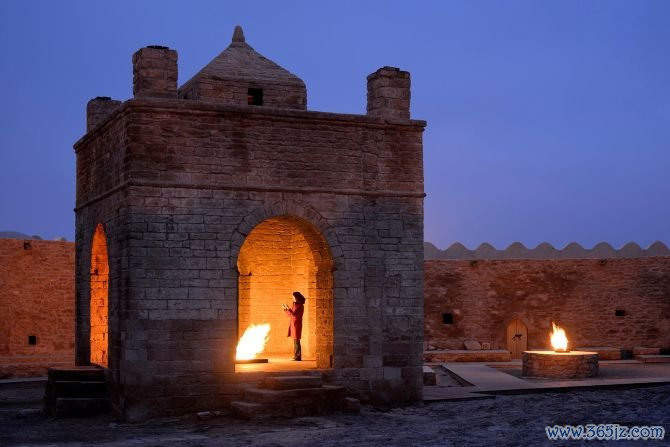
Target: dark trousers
pixel 297 350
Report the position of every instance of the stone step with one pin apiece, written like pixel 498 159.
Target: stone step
pixel 292 382
pixel 79 406
pixel 64 388
pixel 77 374
pixel 327 399
pixel 247 410
pixel 653 358
pixel 263 395
pixel 76 391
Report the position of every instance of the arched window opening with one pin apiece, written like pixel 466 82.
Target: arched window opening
pixel 99 308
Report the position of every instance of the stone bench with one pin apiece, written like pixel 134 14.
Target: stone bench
pixel 462 355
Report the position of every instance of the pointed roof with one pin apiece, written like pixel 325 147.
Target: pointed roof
pixel 240 62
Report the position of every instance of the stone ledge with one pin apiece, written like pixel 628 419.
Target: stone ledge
pixel 653 358
pixel 639 350
pixel 461 355
pixel 604 352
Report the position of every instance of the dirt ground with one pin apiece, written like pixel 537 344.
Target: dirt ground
pixel 511 420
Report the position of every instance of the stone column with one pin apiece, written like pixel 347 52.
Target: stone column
pixel 389 93
pixel 98 109
pixel 155 72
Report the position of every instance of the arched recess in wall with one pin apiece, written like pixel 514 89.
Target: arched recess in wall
pixel 99 306
pixel 279 256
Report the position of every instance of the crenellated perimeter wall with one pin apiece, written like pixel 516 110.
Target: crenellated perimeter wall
pixel 601 300
pixel 545 251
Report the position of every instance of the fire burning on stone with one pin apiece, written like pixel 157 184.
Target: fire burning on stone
pixel 559 341
pixel 252 342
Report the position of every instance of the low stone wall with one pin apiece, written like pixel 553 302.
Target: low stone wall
pixel 619 303
pixel 37 306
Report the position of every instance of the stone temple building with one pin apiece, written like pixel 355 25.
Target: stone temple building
pixel 199 210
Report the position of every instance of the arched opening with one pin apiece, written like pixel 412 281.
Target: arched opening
pixel 282 255
pixel 99 308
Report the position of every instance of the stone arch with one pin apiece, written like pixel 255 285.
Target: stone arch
pixel 99 299
pixel 286 208
pixel 280 254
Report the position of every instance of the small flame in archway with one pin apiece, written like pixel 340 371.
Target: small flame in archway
pixel 559 341
pixel 252 342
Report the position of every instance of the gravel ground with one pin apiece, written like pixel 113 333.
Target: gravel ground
pixel 517 420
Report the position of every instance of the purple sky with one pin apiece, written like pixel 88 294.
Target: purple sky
pixel 547 121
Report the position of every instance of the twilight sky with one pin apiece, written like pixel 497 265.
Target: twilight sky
pixel 547 120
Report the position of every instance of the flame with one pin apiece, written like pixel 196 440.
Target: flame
pixel 559 341
pixel 252 342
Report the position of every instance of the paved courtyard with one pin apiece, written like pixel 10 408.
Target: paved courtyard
pixel 503 420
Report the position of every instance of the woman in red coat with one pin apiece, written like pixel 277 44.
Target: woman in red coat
pixel 295 326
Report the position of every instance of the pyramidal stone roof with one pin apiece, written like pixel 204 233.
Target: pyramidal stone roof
pixel 240 62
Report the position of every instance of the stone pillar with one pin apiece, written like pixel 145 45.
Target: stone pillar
pixel 155 72
pixel 389 93
pixel 98 109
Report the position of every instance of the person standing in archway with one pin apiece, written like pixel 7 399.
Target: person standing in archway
pixel 295 325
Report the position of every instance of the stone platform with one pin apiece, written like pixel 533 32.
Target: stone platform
pixel 486 380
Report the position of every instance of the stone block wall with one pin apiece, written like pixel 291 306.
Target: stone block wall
pixel 37 300
pixel 197 179
pixel 581 295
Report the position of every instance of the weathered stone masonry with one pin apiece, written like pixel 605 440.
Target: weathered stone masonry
pixel 36 306
pixel 180 178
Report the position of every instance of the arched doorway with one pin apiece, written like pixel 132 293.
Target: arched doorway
pixel 517 338
pixel 99 306
pixel 281 255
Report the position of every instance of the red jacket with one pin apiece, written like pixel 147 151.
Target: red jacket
pixel 295 325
